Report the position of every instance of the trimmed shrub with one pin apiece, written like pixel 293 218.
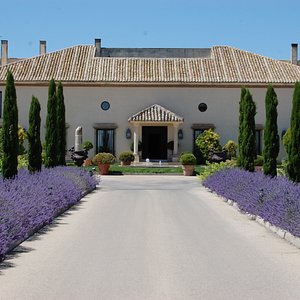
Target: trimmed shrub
pixel 293 167
pixel 211 168
pixel 51 128
pixel 247 140
pixel 240 160
pixel 188 159
pixel 34 139
pixel 10 130
pixel 126 157
pixel 103 158
pixel 61 126
pixel 271 137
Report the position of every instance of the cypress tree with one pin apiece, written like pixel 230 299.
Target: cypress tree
pixel 10 130
pixel 271 137
pixel 248 141
pixel 51 128
pixel 34 140
pixel 61 126
pixel 240 160
pixel 293 167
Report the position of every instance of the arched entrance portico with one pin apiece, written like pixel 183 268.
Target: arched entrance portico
pixel 155 126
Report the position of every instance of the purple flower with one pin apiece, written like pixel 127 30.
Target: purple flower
pixel 33 200
pixel 276 200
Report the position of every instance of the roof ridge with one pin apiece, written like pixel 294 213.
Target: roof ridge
pixel 227 65
pixel 252 53
pixel 45 54
pixel 155 113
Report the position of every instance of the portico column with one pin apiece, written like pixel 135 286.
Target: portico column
pixel 175 151
pixel 136 142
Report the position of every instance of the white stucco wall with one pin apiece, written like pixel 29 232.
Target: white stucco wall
pixel 83 109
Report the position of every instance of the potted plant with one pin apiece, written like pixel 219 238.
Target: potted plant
pixel 188 161
pixel 103 160
pixel 87 146
pixel 126 158
pixel 258 163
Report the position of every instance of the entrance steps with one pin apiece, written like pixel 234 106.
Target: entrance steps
pixel 156 164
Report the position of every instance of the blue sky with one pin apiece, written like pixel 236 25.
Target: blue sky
pixel 264 27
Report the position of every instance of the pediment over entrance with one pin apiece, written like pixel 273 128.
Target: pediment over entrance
pixel 156 113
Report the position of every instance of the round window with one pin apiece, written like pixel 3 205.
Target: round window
pixel 105 105
pixel 202 107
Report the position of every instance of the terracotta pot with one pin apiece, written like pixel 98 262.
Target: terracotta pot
pixel 87 162
pixel 125 163
pixel 103 169
pixel 258 168
pixel 188 170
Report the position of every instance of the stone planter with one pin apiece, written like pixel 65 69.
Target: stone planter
pixel 188 170
pixel 103 169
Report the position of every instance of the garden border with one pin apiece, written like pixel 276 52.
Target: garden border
pixel 286 235
pixel 36 229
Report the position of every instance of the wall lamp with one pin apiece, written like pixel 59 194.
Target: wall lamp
pixel 128 134
pixel 180 134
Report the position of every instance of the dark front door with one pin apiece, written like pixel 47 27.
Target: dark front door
pixel 154 145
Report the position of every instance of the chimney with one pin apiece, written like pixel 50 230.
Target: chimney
pixel 4 52
pixel 98 47
pixel 42 47
pixel 295 54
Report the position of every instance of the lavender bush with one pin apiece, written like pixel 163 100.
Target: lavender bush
pixel 31 201
pixel 276 200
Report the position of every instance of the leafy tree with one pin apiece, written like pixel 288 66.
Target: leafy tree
pixel 10 130
pixel 293 167
pixel 271 137
pixel 240 160
pixel 247 138
pixel 34 145
pixel 61 126
pixel 51 127
pixel 22 136
pixel 208 141
pixel 230 148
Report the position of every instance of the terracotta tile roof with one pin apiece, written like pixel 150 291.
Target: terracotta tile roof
pixel 155 113
pixel 226 65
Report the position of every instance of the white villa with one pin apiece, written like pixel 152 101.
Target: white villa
pixel 125 96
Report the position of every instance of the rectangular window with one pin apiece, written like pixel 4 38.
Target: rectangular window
pixel 105 140
pixel 198 129
pixel 197 132
pixel 0 105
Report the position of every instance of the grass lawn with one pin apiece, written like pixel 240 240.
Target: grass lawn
pixel 116 169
